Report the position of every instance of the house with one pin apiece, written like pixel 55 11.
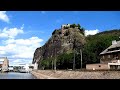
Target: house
pixel 109 58
pixel 111 55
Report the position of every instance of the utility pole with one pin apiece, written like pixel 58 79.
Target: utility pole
pixel 55 61
pixel 81 57
pixel 74 60
pixel 55 56
pixel 74 54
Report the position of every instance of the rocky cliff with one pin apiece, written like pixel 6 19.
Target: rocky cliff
pixel 62 40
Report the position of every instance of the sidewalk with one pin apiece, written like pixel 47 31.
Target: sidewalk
pixel 41 76
pixel 62 74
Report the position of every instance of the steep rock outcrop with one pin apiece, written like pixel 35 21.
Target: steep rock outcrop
pixel 60 42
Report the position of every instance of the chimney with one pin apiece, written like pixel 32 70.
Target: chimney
pixel 114 42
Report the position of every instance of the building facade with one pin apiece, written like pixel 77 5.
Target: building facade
pixel 63 28
pixel 111 54
pixel 5 64
pixel 109 58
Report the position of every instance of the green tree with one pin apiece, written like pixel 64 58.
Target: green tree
pixel 82 30
pixel 96 44
pixel 79 27
pixel 73 25
pixel 65 61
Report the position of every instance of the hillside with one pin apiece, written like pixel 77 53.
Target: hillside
pixel 65 48
pixel 97 43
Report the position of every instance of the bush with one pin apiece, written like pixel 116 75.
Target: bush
pixel 73 25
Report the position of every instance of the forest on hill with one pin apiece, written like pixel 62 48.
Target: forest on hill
pixel 98 43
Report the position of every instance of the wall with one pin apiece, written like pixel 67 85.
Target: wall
pixel 106 58
pixel 96 66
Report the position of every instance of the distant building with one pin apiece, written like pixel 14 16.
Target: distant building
pixel 10 68
pixel 64 26
pixel 26 67
pixel 5 63
pixel 35 66
pixel 29 67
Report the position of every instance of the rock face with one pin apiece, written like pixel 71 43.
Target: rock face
pixel 62 40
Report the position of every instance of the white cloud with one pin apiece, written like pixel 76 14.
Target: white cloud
pixel 19 61
pixel 16 61
pixel 11 32
pixel 91 32
pixel 20 49
pixel 43 12
pixel 27 42
pixel 3 16
pixel 22 27
pixel 2 52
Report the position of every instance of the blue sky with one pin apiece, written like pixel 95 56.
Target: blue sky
pixel 21 32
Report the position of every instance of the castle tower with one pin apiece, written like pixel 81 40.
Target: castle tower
pixel 5 64
pixel 63 28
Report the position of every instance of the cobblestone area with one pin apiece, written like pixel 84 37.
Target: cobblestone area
pixel 49 74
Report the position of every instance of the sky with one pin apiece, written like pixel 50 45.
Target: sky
pixel 21 32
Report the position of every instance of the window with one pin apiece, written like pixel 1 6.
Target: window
pixel 103 57
pixel 108 56
pixel 115 56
